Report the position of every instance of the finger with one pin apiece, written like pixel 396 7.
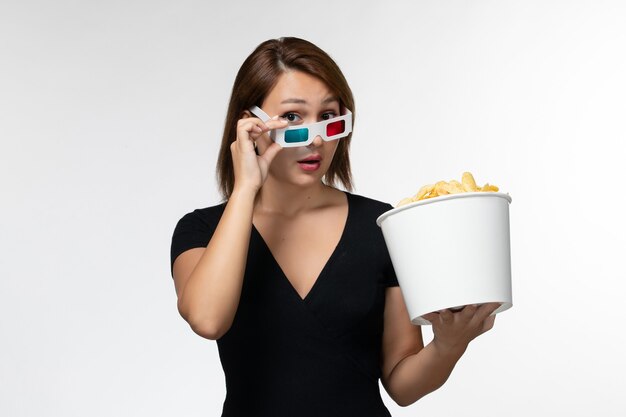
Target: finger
pixel 486 309
pixel 468 312
pixel 263 140
pixel 446 316
pixel 265 128
pixel 273 124
pixel 248 123
pixel 431 317
pixel 270 152
pixel 247 131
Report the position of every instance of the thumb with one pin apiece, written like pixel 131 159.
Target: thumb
pixel 431 317
pixel 271 152
pixel 488 324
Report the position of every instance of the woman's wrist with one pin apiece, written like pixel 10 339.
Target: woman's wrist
pixel 452 351
pixel 243 191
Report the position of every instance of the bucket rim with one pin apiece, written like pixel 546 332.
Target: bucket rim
pixel 395 210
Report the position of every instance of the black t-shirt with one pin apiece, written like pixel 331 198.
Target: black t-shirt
pixel 317 356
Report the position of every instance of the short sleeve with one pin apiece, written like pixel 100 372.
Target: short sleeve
pixel 193 230
pixel 390 276
pixel 391 280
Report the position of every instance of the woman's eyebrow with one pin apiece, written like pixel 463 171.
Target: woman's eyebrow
pixel 294 100
pixel 302 101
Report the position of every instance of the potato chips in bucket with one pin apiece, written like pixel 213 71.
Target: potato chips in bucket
pixel 450 246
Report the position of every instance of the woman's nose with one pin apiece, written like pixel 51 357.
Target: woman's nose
pixel 317 141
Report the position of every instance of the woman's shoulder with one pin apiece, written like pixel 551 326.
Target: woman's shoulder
pixel 369 204
pixel 206 215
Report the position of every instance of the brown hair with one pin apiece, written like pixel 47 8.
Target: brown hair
pixel 256 78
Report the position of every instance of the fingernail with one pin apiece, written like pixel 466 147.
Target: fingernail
pixel 275 117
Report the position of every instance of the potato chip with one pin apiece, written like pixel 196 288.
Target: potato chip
pixel 467 184
pixel 405 201
pixel 452 187
pixel 488 187
pixel 440 188
pixel 456 186
pixel 423 192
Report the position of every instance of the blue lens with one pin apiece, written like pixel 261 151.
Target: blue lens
pixel 296 135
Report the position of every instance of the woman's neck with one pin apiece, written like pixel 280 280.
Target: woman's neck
pixel 289 200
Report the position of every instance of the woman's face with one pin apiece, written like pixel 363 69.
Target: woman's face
pixel 301 98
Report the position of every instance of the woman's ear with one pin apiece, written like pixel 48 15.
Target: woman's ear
pixel 245 114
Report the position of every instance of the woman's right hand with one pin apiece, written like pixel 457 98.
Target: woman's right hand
pixel 251 169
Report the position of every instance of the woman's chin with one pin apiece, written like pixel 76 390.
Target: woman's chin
pixel 304 181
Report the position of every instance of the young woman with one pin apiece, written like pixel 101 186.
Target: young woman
pixel 291 275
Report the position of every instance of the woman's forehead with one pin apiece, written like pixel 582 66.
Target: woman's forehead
pixel 295 87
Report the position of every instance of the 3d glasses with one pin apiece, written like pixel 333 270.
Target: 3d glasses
pixel 303 135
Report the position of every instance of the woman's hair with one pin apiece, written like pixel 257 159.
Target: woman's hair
pixel 258 75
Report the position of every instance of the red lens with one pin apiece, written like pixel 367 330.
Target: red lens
pixel 335 128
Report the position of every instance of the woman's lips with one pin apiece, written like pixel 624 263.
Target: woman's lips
pixel 310 163
pixel 313 165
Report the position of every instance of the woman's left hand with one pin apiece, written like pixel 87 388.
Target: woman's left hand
pixel 453 331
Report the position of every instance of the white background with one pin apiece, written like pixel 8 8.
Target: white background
pixel 111 115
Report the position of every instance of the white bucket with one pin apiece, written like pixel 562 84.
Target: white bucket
pixel 451 251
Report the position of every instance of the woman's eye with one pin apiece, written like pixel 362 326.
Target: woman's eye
pixel 290 117
pixel 329 115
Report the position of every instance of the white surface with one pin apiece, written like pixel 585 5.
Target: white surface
pixel 451 251
pixel 110 119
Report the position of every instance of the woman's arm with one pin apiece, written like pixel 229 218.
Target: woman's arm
pixel 210 287
pixel 410 370
pixel 209 284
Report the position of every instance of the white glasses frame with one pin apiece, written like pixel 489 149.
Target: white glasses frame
pixel 314 129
